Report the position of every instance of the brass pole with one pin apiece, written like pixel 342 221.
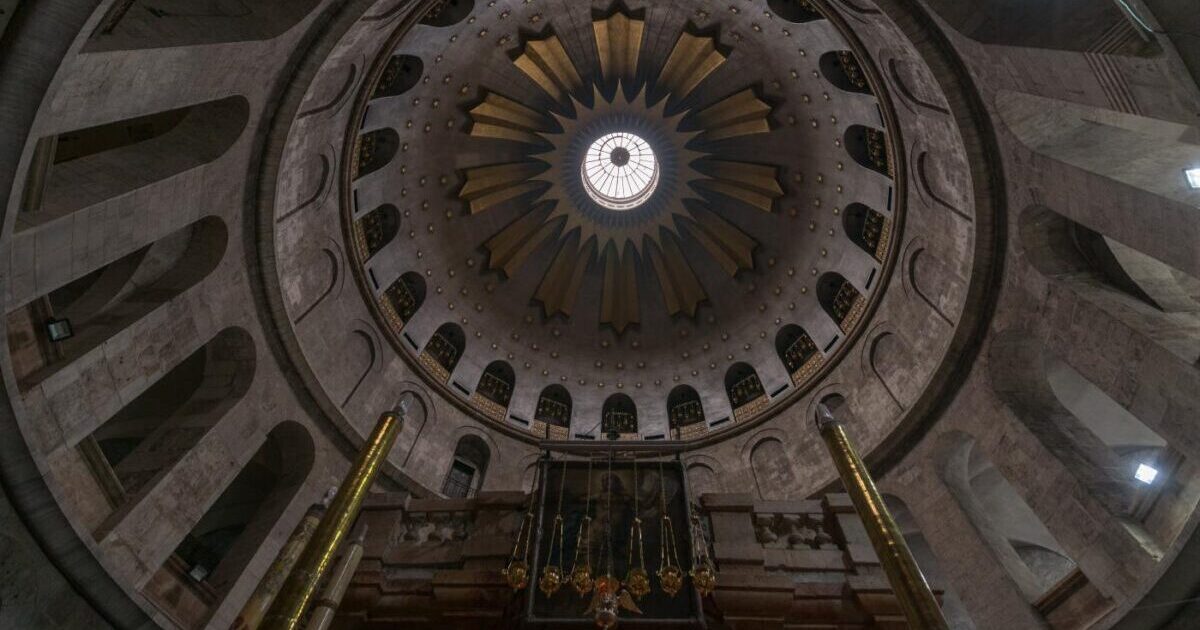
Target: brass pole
pixel 908 583
pixel 339 582
pixel 252 613
pixel 301 586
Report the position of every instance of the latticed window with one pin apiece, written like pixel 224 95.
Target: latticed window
pixel 745 390
pixel 619 421
pixel 495 388
pixel 685 413
pixel 872 229
pixel 459 481
pixel 404 298
pixel 798 352
pixel 379 227
pixel 852 70
pixel 843 300
pixel 442 351
pixel 552 411
pixel 877 150
pixel 400 74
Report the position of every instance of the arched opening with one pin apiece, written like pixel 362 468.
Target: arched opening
pixel 840 300
pixel 141 24
pixel 81 168
pixel 495 389
pixel 618 418
pixel 1076 25
pixel 401 74
pixel 685 413
pixel 448 12
pixel 841 68
pixel 467 468
pixel 774 471
pixel 67 323
pixel 379 227
pixel 798 352
pixel 375 150
pixel 868 229
pixel 406 295
pixel 554 411
pixel 746 394
pixel 798 11
pixel 868 147
pixel 207 562
pixel 444 349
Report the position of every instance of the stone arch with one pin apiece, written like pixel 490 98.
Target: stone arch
pixel 406 295
pixel 119 157
pixel 375 150
pixel 868 229
pixel 684 409
pixel 468 467
pixel 745 390
pixel 401 74
pixel 141 24
pixel 206 563
pixel 799 353
pixel 774 471
pixel 619 417
pixel 842 69
pixel 494 391
pixel 444 349
pixel 98 306
pixel 554 406
pixel 379 227
pixel 868 147
pixel 841 300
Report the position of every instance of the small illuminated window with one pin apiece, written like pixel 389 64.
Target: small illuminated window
pixel 1145 474
pixel 619 171
pixel 1193 176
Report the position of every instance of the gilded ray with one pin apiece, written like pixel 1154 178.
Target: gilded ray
pixel 692 60
pixel 509 248
pixel 505 119
pixel 618 42
pixel 548 64
pixel 732 248
pixel 740 114
pixel 755 184
pixel 619 297
pixel 488 186
pixel 560 285
pixel 681 289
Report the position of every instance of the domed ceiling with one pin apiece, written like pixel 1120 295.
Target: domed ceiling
pixel 677 216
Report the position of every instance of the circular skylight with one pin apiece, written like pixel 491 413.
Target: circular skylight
pixel 619 171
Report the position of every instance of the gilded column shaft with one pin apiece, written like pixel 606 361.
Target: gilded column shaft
pixel 912 591
pixel 339 581
pixel 256 607
pixel 301 586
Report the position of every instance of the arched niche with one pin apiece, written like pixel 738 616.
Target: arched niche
pixel 798 352
pixel 84 167
pixel 1159 301
pixel 745 390
pixel 798 11
pixel 685 412
pixel 1074 25
pixel 141 24
pixel 467 468
pixel 375 149
pixel 206 563
pixel 868 147
pixel 379 227
pixel 842 69
pixel 495 389
pixel 619 418
pixel 401 74
pixel 774 471
pixel 554 410
pixel 448 13
pixel 952 607
pixel 870 230
pixel 100 305
pixel 841 300
pixel 445 348
pixel 405 296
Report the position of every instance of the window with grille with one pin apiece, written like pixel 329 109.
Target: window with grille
pixel 460 480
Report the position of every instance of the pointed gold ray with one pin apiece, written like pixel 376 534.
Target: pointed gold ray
pixel 619 296
pixel 509 248
pixel 693 58
pixel 488 186
pixel 755 184
pixel 740 114
pixel 548 64
pixel 503 118
pixel 618 41
pixel 732 248
pixel 681 290
pixel 560 285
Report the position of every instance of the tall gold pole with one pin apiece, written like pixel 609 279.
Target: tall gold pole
pixel 252 613
pixel 301 586
pixel 908 583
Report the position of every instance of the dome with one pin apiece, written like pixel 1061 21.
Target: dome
pixel 237 232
